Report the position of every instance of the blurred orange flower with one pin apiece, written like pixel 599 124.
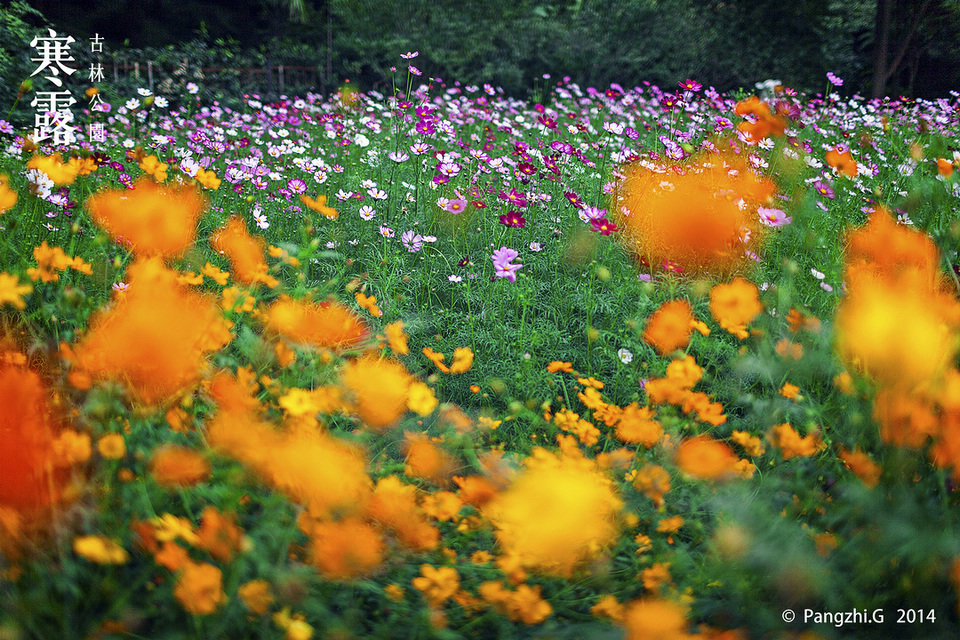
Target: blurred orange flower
pixel 735 305
pixel 245 252
pixel 200 588
pixel 378 389
pixel 690 217
pixel 328 324
pixel 151 219
pixel 155 338
pixel 706 458
pixel 175 466
pixel 669 328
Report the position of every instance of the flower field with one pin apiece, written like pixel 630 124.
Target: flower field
pixel 631 362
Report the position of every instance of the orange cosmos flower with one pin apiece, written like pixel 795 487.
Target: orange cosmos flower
pixel 326 475
pixel 244 251
pixel 655 619
pixel 690 217
pixel 903 335
pixel 379 389
pixel 397 338
pixel 12 292
pixel 426 460
pixel 669 327
pixel 219 534
pixel 151 165
pixel 437 585
pixel 8 197
pixel 327 324
pixel 208 179
pixel 790 443
pixel 28 482
pixel 155 338
pixel 50 260
pixel 200 588
pixel 62 173
pixel 369 303
pixel 637 426
pixel 394 505
pixel 652 481
pixel 256 596
pixel 346 549
pixel 764 123
pixel 842 162
pixel 175 466
pixel 151 219
pixel 320 206
pixel 735 305
pixel 703 457
pixel 862 465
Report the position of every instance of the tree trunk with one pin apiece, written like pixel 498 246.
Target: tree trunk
pixel 881 47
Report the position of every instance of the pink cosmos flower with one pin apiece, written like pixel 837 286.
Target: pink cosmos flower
pixel 773 217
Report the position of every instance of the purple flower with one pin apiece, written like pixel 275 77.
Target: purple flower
pixel 513 219
pixel 515 198
pixel 690 85
pixel 414 70
pixel 834 79
pixel 409 55
pixel 412 240
pixel 296 185
pixel 502 263
pixel 824 189
pixel 398 156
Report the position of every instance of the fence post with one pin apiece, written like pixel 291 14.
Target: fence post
pixel 115 80
pixel 280 69
pixel 150 74
pixel 136 70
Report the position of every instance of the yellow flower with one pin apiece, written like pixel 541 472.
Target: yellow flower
pixel 397 338
pixel 100 550
pixel 735 305
pixel 437 585
pixel 112 446
pixel 256 596
pixel 369 303
pixel 462 360
pixel 208 179
pixel 559 512
pixel 11 291
pixel 215 273
pixel 153 166
pixel 421 399
pixel 8 197
pixel 394 592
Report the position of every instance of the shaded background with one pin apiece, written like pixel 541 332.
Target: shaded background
pixel 880 47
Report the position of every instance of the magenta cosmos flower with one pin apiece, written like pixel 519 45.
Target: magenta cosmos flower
pixel 513 219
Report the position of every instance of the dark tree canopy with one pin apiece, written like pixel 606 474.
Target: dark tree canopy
pixel 879 46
